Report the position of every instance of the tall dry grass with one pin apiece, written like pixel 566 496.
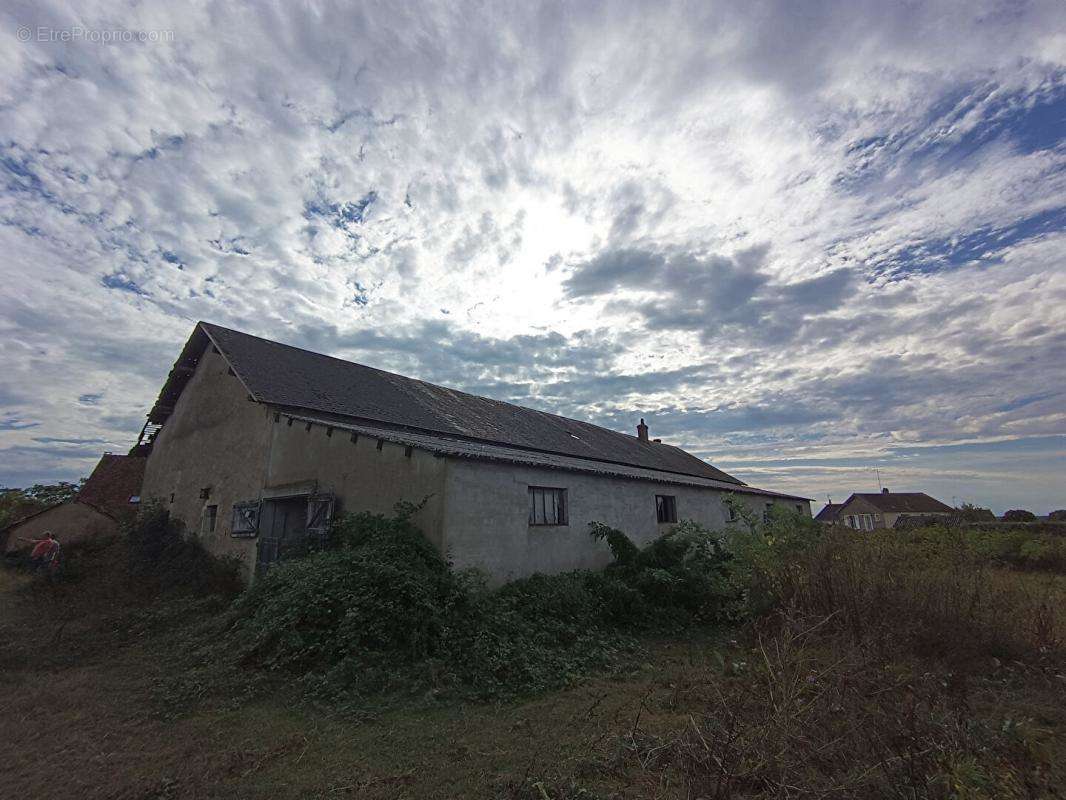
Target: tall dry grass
pixel 872 677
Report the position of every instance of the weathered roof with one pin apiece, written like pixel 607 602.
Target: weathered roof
pixel 115 479
pixel 903 502
pixel 295 379
pixel 483 451
pixel 830 513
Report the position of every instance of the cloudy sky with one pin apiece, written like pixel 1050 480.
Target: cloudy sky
pixel 804 240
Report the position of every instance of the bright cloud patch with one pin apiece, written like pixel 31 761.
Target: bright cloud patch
pixel 805 242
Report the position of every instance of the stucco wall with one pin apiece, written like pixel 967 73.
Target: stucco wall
pixel 486 516
pixel 363 476
pixel 216 438
pixel 70 522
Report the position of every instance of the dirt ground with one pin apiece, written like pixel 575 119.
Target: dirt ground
pixel 83 718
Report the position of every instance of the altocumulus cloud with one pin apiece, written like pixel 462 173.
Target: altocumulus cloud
pixel 803 239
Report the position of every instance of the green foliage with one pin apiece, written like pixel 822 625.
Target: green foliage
pixel 381 610
pixel 380 588
pixel 50 494
pixel 678 579
pixel 968 512
pixel 531 635
pixel 1058 515
pixel 1019 515
pixel 623 550
pixel 160 558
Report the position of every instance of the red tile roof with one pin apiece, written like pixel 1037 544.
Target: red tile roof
pixel 115 479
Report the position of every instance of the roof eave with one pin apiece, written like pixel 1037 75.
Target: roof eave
pixel 395 435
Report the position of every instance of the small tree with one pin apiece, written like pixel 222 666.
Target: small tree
pixel 971 513
pixel 1019 515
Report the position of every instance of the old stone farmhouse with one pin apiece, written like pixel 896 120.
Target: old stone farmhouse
pixel 254 443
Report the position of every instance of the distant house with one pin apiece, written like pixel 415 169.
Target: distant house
pixel 255 445
pixel 109 495
pixel 867 512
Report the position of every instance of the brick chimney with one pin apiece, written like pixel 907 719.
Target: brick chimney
pixel 642 431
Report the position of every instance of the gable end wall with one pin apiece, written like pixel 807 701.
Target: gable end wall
pixel 215 437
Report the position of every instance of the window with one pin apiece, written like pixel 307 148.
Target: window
pixel 245 519
pixel 319 517
pixel 860 522
pixel 547 506
pixel 730 512
pixel 665 508
pixel 207 525
pixel 766 512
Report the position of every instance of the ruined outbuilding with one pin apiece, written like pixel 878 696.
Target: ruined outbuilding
pixel 109 496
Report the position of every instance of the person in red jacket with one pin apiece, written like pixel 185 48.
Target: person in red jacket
pixel 45 553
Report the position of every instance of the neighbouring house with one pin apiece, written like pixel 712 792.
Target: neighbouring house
pixel 830 514
pixel 255 444
pixel 885 509
pixel 109 496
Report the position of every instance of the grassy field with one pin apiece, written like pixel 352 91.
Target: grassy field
pixel 99 700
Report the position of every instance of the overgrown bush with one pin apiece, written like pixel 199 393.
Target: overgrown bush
pixel 160 558
pixel 380 609
pixel 381 588
pixel 1018 515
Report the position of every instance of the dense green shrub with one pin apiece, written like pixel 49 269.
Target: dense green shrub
pixel 968 512
pixel 1019 515
pixel 381 587
pixel 679 578
pixel 532 634
pixel 159 557
pixel 380 609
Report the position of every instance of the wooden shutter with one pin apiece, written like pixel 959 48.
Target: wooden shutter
pixel 245 521
pixel 319 516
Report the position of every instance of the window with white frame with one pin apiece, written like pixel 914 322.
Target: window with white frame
pixel 547 506
pixel 860 522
